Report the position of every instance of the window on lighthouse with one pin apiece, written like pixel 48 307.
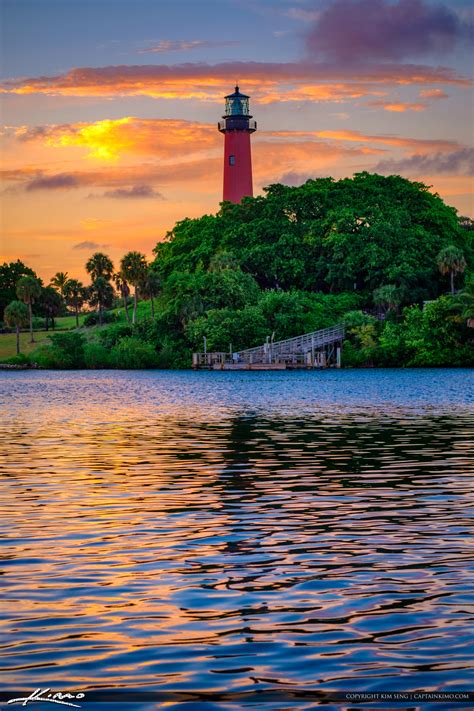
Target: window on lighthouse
pixel 231 160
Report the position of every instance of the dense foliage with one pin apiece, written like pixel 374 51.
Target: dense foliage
pixel 381 253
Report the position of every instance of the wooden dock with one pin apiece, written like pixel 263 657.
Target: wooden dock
pixel 318 349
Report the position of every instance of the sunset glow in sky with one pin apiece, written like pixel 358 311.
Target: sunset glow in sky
pixel 109 109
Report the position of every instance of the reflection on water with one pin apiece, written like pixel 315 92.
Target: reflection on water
pixel 237 532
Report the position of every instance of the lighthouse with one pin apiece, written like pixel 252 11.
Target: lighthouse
pixel 237 125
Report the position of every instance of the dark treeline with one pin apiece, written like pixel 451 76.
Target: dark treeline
pixel 382 253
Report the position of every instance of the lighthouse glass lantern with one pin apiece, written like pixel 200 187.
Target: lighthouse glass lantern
pixel 237 125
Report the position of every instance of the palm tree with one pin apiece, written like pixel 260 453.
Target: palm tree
pixel 101 294
pixel 133 268
pixel 150 287
pixel 51 304
pixel 388 297
pixel 122 286
pixel 28 289
pixel 100 265
pixel 451 261
pixel 74 295
pixel 463 302
pixel 59 281
pixel 16 316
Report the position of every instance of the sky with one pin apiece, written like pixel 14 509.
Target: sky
pixel 109 110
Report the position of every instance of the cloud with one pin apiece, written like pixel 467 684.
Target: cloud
pixel 89 245
pixel 398 106
pixel 299 13
pixel 460 162
pixel 165 46
pixel 433 94
pixel 108 139
pixel 265 81
pixel 295 179
pixel 379 30
pixel 421 145
pixel 60 181
pixel 133 193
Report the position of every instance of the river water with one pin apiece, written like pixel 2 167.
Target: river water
pixel 258 535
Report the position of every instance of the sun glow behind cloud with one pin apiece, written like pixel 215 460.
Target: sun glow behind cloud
pixel 99 164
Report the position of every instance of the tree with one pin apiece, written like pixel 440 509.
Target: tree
pixel 133 267
pixel 28 290
pixel 388 297
pixel 150 287
pixel 59 281
pixel 74 294
pixel 122 287
pixel 10 273
pixel 100 265
pixel 16 316
pixel 451 261
pixel 463 302
pixel 101 294
pixel 50 304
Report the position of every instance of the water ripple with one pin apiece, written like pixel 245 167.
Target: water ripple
pixel 237 532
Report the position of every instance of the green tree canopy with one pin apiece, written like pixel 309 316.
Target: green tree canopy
pixel 59 281
pixel 332 236
pixel 100 265
pixel 10 273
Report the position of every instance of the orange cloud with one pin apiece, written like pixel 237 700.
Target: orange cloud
pixel 421 145
pixel 175 141
pixel 398 107
pixel 109 139
pixel 433 94
pixel 208 83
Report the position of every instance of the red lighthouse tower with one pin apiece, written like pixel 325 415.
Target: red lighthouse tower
pixel 237 125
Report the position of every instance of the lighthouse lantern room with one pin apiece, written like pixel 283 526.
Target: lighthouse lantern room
pixel 237 125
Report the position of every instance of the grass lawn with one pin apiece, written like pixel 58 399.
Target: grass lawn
pixel 8 340
pixel 8 343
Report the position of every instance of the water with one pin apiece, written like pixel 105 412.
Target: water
pixel 237 532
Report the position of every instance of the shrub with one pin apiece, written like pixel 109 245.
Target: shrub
pixel 108 337
pixel 130 352
pixel 72 345
pixel 20 359
pixel 39 324
pixel 243 328
pixel 92 319
pixel 51 358
pixel 66 351
pixel 96 356
pixel 173 354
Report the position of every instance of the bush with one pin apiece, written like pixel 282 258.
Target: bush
pixel 65 352
pixel 243 328
pixel 92 319
pixel 20 359
pixel 50 357
pixel 96 356
pixel 111 335
pixel 130 352
pixel 72 345
pixel 173 354
pixel 39 324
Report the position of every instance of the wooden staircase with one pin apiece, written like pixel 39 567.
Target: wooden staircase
pixel 318 349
